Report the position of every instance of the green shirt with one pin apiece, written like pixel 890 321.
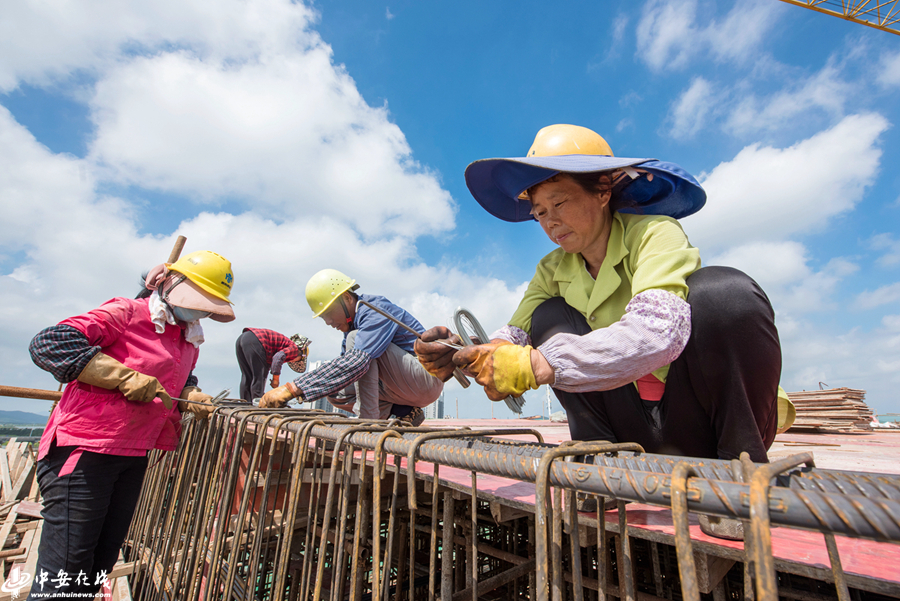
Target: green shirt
pixel 644 252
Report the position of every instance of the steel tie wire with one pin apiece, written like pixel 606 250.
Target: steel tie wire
pixel 766 583
pixel 515 403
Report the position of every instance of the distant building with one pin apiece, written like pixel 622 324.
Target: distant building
pixel 432 411
pixel 436 409
pixel 323 403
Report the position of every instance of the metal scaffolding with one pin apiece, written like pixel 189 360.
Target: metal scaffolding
pixel 292 504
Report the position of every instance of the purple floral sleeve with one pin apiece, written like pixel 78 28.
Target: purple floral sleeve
pixel 512 334
pixel 652 333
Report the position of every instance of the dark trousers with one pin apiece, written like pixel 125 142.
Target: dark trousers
pixel 251 358
pixel 86 517
pixel 720 395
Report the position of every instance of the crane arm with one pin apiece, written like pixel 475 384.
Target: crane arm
pixel 879 14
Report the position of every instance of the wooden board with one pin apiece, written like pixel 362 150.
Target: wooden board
pixel 834 410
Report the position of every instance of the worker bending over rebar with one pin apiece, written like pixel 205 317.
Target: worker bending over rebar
pixel 123 363
pixel 261 351
pixel 377 368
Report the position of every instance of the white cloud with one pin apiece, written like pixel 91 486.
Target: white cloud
pixel 768 194
pixel 742 109
pixel 630 99
pixel 743 30
pixel 890 246
pixel 80 252
pixel 782 270
pixel 670 33
pixel 690 110
pixel 290 134
pixel 768 96
pixel 613 48
pixel 82 249
pixel 771 264
pixel 41 42
pixel 878 297
pixel 824 91
pixel 815 291
pixel 242 103
pixel 245 101
pixel 866 360
pixel 889 69
pixel 891 323
pixel 620 23
pixel 388 14
pixel 764 197
pixel 51 209
pixel 664 33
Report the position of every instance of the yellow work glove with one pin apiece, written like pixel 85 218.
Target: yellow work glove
pixel 437 358
pixel 276 381
pixel 279 397
pixel 503 368
pixel 105 372
pixel 192 393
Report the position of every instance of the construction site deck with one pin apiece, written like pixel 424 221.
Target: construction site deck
pixel 294 504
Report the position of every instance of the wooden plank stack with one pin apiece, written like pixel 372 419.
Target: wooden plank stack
pixel 21 525
pixel 836 410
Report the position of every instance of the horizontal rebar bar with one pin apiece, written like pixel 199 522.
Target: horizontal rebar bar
pixel 300 505
pixel 816 479
pixel 853 515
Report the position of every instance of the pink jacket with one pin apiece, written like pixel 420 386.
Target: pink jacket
pixel 104 421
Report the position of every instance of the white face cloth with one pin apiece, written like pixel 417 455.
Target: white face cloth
pixel 161 314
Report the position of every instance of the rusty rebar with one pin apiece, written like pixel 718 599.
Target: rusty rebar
pixel 276 504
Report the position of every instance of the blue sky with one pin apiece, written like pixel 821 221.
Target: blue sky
pixel 290 137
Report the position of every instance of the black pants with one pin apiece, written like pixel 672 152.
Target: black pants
pixel 86 517
pixel 251 358
pixel 720 395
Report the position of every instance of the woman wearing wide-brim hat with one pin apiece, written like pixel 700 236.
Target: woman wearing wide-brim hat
pixel 637 341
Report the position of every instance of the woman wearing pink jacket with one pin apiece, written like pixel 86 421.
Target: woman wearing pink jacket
pixel 124 362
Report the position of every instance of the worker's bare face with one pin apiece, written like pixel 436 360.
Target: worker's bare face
pixel 570 216
pixel 335 317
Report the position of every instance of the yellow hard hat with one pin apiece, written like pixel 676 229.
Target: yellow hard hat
pixel 325 287
pixel 208 270
pixel 562 139
pixel 787 413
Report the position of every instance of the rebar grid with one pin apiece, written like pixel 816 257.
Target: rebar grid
pixel 291 504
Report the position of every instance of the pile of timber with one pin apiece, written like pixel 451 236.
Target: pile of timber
pixel 20 514
pixel 21 526
pixel 837 410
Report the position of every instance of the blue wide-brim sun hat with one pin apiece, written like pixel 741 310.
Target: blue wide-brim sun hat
pixel 497 183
